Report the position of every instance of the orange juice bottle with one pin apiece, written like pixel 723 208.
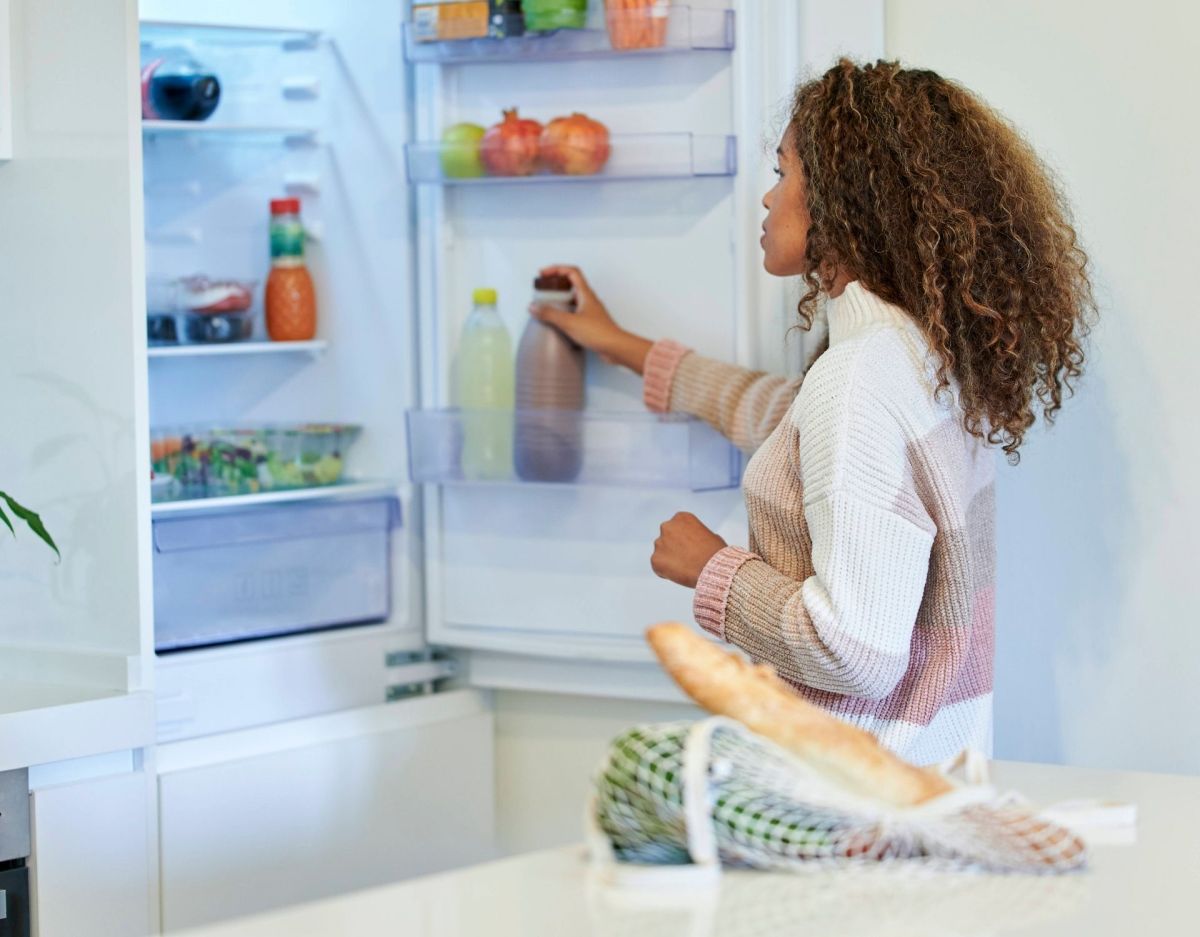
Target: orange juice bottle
pixel 290 300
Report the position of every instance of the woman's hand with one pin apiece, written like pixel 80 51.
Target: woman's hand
pixel 591 326
pixel 683 549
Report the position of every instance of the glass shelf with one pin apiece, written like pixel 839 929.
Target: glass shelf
pixel 687 30
pixel 633 156
pixel 233 349
pixel 640 450
pixel 170 32
pixel 345 489
pixel 242 133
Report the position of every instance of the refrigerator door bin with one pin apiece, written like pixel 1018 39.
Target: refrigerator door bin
pixel 269 571
pixel 632 157
pixel 682 29
pixel 633 449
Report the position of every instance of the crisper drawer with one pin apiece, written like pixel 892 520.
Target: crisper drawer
pixel 271 571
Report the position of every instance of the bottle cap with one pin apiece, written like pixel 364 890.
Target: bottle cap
pixel 484 297
pixel 285 206
pixel 553 283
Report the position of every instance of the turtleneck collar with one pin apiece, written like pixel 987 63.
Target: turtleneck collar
pixel 858 309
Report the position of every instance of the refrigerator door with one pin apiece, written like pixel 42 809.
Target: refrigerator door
pixel 562 570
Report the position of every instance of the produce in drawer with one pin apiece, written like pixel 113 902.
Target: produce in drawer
pixel 512 147
pixel 636 24
pixel 575 145
pixel 215 462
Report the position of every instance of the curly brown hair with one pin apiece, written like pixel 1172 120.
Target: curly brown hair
pixel 936 204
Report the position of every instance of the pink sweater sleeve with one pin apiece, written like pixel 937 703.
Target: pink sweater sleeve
pixel 744 406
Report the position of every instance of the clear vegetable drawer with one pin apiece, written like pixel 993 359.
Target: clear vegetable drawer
pixel 271 570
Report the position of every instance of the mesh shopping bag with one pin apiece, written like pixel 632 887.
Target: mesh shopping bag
pixel 714 793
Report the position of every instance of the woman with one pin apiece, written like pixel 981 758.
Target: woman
pixel 957 300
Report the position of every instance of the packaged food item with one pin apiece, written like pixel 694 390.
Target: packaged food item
pixel 637 24
pixel 507 19
pixel 177 87
pixel 547 15
pixel 458 19
pixel 485 391
pixel 162 304
pixel 290 299
pixel 548 443
pixel 216 310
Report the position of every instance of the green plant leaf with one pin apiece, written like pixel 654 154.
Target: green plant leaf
pixel 4 517
pixel 34 522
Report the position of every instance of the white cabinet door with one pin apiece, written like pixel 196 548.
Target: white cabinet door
pixel 302 810
pixel 92 858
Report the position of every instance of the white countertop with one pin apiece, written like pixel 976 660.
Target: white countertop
pixel 1151 885
pixel 47 722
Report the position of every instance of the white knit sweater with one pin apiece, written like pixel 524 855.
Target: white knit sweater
pixel 868 582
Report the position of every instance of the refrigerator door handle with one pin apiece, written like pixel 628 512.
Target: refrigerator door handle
pixel 3 904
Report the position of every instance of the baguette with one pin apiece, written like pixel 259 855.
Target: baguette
pixel 726 685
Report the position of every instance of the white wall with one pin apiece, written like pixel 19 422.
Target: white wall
pixel 1098 657
pixel 73 441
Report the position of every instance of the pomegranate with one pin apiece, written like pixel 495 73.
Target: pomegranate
pixel 510 148
pixel 575 145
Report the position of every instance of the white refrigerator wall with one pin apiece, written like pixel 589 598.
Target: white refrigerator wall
pixel 1097 638
pixel 74 444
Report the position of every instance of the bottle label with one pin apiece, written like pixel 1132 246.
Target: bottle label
pixel 287 239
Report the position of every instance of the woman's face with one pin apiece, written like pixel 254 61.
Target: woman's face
pixel 785 230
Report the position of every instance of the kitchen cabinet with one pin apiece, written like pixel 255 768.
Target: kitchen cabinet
pixel 94 863
pixel 298 811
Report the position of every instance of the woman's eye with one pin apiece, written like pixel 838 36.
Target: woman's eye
pixel 778 172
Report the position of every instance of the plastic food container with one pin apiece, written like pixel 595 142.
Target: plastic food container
pixel 207 462
pixel 207 328
pixel 198 310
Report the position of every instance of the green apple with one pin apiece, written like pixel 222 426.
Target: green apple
pixel 460 151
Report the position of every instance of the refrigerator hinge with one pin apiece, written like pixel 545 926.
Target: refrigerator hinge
pixel 416 673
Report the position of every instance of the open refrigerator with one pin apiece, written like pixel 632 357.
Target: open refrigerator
pixel 443 583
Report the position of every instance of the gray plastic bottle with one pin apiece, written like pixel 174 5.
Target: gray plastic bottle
pixel 548 442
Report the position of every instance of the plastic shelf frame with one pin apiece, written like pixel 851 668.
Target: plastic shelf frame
pixel 615 449
pixel 687 30
pixel 154 33
pixel 633 157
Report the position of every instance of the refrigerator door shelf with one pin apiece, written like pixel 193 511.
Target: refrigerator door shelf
pixel 627 450
pixel 632 157
pixel 686 30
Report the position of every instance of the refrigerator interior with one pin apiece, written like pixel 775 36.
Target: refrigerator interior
pixel 319 105
pixel 313 105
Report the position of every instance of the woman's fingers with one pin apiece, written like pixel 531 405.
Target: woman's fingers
pixel 551 315
pixel 574 274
